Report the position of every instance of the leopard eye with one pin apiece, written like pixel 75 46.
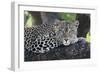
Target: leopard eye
pixel 76 26
pixel 57 24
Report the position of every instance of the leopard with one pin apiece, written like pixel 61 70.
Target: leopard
pixel 45 37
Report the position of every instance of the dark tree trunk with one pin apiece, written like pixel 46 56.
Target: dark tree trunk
pixel 84 26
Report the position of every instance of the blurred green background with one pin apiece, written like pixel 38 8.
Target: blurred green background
pixel 29 19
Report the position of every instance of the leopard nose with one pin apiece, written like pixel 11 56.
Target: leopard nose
pixel 66 40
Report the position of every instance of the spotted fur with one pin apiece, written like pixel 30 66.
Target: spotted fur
pixel 44 37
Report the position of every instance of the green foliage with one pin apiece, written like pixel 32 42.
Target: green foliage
pixel 68 16
pixel 88 37
pixel 28 19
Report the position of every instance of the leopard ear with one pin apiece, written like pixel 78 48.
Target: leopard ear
pixel 76 22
